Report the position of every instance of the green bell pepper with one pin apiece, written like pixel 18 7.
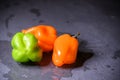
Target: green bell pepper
pixel 25 48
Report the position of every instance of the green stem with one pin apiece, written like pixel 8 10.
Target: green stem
pixel 76 35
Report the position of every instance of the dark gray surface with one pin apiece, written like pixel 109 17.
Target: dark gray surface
pixel 97 21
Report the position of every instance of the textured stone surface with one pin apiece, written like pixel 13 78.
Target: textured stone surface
pixel 97 21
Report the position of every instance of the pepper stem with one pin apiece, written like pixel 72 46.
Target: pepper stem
pixel 76 35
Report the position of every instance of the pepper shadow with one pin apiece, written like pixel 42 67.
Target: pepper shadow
pixel 30 63
pixel 47 58
pixel 82 56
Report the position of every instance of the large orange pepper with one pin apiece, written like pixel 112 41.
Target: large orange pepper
pixel 45 34
pixel 65 50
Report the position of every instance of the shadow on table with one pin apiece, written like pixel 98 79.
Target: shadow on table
pixel 82 56
pixel 46 59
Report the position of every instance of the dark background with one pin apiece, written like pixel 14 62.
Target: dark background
pixel 98 21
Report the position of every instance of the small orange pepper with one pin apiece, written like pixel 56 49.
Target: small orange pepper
pixel 45 34
pixel 65 50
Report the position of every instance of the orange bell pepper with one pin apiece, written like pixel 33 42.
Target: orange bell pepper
pixel 45 34
pixel 65 50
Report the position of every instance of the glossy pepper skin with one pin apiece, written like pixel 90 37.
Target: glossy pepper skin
pixel 65 50
pixel 25 48
pixel 45 34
